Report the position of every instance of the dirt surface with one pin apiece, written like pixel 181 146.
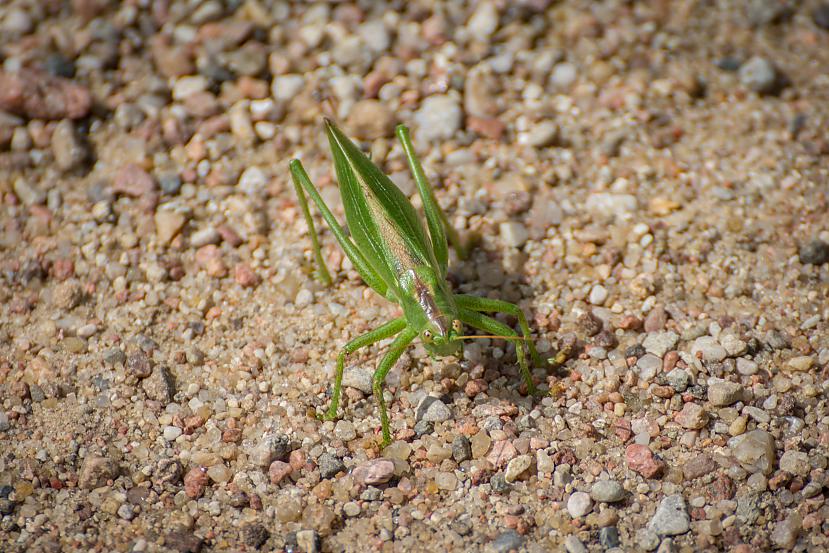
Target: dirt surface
pixel 649 181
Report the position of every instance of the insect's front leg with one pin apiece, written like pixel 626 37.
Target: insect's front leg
pixel 357 258
pixel 492 326
pixel 395 351
pixel 475 303
pixel 386 330
pixel 322 269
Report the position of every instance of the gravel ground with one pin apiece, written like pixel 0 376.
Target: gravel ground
pixel 649 181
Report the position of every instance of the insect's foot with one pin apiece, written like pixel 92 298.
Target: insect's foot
pixel 327 416
pixel 560 358
pixel 386 440
pixel 535 391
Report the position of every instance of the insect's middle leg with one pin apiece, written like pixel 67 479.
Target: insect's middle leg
pixel 386 330
pixel 395 351
pixel 492 326
pixel 475 303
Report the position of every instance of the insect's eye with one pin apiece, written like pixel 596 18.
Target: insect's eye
pixel 427 336
pixel 457 326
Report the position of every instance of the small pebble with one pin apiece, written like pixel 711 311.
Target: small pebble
pixel 506 542
pixel 609 537
pixel 461 449
pixel 671 517
pixel 723 393
pixel 759 75
pixel 755 451
pixel 572 544
pixel 514 234
pixel 598 295
pixel 640 458
pixel 372 473
pixel 432 409
pixel 516 467
pixel 438 118
pixel 579 504
pixel 330 465
pixel 607 491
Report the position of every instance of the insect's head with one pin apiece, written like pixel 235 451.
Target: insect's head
pixel 441 340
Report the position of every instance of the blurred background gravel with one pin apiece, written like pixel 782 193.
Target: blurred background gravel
pixel 649 181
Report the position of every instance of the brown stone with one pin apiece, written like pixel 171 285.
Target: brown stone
pixel 38 95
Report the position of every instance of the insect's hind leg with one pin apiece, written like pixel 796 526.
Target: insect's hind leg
pixel 492 326
pixel 439 228
pixel 386 330
pixel 322 269
pixel 395 351
pixel 475 303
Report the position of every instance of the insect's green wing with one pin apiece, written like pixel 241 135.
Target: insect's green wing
pixel 382 221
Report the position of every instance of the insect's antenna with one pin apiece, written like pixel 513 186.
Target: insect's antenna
pixel 480 337
pixel 329 105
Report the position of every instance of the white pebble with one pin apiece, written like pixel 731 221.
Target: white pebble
pixel 285 87
pixel 171 433
pixel 514 234
pixel 598 295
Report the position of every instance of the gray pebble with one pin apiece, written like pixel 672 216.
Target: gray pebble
pixel 678 379
pixel 499 484
pixel 461 449
pixel 422 428
pixel 114 356
pixel 359 378
pixel 432 409
pixel 815 252
pixel 647 539
pixel 507 541
pixel 671 517
pixel 609 537
pixel 607 491
pixel 36 393
pixel 759 75
pixel 329 465
pixel 572 544
pixel 125 512
pixel 170 183
pixel 4 421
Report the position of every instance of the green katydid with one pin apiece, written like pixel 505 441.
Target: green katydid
pixel 393 253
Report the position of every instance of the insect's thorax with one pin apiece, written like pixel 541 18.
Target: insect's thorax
pixel 427 301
